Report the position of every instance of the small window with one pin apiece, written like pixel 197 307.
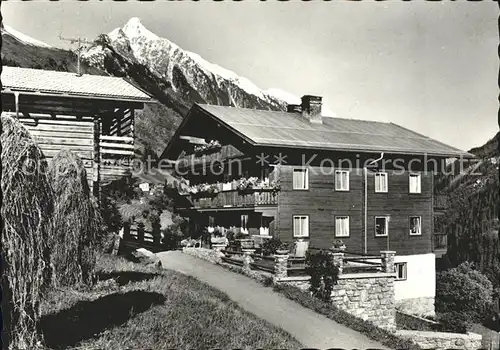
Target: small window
pixel 415 225
pixel 244 223
pixel 342 226
pixel 301 226
pixel 415 183
pixel 381 182
pixel 381 226
pixel 341 180
pixel 300 179
pixel 400 271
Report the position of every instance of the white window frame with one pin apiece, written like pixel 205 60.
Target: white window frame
pixel 306 175
pixel 419 177
pixel 339 217
pixel 409 223
pixel 386 225
pixel 384 175
pixel 293 226
pixel 346 185
pixel 404 271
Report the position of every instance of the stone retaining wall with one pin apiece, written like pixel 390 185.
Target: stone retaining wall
pixel 442 341
pixel 369 296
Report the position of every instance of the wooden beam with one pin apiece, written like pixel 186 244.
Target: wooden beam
pixel 117 151
pixel 193 140
pixel 116 138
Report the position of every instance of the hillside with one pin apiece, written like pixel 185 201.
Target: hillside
pixel 472 217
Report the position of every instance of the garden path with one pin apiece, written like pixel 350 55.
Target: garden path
pixel 311 329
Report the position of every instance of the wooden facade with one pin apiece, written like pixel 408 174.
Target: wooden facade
pixel 97 128
pixel 261 211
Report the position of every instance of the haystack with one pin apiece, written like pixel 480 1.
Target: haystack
pixel 27 207
pixel 76 220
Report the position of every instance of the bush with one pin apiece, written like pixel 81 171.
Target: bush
pixel 270 245
pixel 463 295
pixel 173 234
pixel 455 322
pixel 324 273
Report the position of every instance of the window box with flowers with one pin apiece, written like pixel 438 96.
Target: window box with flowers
pixel 204 190
pixel 210 147
pixel 254 184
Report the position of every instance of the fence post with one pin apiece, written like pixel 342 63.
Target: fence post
pixel 247 258
pixel 388 260
pixel 338 260
pixel 126 231
pixel 280 266
pixel 140 232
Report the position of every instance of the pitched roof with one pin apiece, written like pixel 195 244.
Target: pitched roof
pixel 66 83
pixel 285 129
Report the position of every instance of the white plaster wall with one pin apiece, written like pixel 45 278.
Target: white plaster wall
pixel 421 277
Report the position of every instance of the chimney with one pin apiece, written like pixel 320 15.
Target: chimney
pixel 294 108
pixel 311 108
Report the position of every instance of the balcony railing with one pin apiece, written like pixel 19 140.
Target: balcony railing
pixel 440 201
pixel 116 154
pixel 234 198
pixel 214 155
pixel 439 241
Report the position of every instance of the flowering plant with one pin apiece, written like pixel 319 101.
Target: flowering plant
pixel 256 183
pixel 204 188
pixel 213 144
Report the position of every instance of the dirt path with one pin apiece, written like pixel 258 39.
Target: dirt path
pixel 309 328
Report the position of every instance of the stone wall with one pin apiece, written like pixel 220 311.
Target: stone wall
pixel 423 306
pixel 369 296
pixel 442 341
pixel 416 323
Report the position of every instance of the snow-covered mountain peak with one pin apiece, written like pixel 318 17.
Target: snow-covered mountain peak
pixel 134 28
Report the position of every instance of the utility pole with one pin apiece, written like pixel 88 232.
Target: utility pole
pixel 80 41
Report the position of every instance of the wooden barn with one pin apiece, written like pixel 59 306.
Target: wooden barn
pixel 90 115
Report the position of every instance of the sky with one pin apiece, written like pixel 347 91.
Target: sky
pixel 428 66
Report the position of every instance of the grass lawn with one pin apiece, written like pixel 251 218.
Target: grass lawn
pixel 141 308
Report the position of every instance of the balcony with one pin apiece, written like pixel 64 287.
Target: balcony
pixel 236 199
pixel 439 244
pixel 440 202
pixel 217 154
pixel 116 155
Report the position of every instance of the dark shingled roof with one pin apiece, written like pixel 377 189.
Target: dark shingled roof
pixel 284 129
pixel 65 83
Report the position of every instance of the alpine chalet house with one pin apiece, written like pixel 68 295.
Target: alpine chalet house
pixel 314 180
pixel 90 115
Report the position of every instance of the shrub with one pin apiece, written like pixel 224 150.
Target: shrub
pixel 324 273
pixel 455 322
pixel 173 234
pixel 270 245
pixel 463 295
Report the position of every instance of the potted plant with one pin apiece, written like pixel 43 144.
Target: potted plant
pixel 270 245
pixel 338 246
pixel 245 241
pixel 283 248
